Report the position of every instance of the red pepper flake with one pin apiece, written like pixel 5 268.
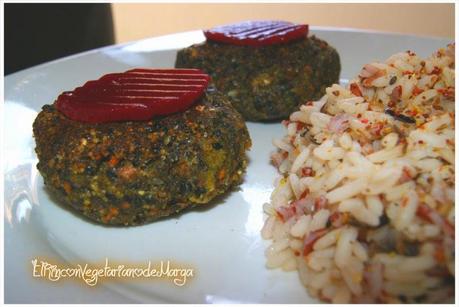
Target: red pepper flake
pixel 423 211
pixel 396 93
pixel 221 174
pixel 112 212
pixel 367 82
pixel 430 215
pixel 311 239
pixel 307 172
pixel 448 92
pixel 355 89
pixel 338 219
pixel 436 71
pixel 377 128
pixel 67 187
pixel 439 255
pixel 305 193
pixel 404 202
pixel 113 161
pixel 364 120
pixel 285 213
pixel 407 72
pixel 125 205
pixel 416 91
pixel 406 175
pixel 334 217
pixel 300 125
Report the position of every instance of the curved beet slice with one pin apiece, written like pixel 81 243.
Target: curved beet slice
pixel 257 33
pixel 96 112
pixel 137 94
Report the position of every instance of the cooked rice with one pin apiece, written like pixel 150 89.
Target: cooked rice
pixel 364 206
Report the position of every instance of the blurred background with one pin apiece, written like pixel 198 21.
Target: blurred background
pixel 136 21
pixel 37 33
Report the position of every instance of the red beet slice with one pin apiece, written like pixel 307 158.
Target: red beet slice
pixel 257 33
pixel 137 94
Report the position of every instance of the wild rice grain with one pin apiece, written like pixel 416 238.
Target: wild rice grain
pixel 364 207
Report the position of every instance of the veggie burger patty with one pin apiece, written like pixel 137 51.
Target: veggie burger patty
pixel 134 172
pixel 266 82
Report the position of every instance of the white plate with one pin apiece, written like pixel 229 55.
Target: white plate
pixel 222 244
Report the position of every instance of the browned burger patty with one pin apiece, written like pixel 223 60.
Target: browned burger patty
pixel 134 172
